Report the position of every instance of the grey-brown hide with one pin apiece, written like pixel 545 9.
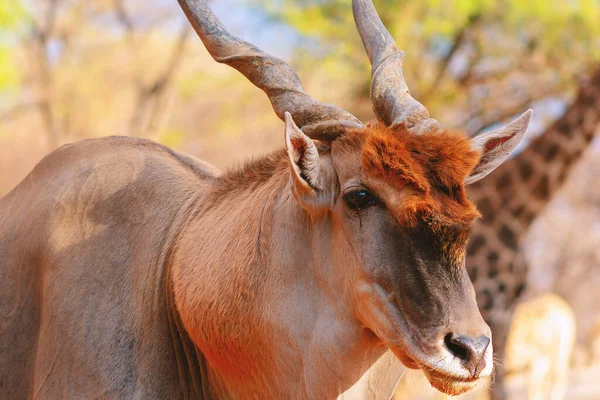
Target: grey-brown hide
pixel 116 229
pixel 86 308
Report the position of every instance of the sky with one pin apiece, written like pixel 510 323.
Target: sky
pixel 252 24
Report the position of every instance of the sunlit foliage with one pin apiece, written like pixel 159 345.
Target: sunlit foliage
pixel 11 14
pixel 460 51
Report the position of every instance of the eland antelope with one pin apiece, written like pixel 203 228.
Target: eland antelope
pixel 129 270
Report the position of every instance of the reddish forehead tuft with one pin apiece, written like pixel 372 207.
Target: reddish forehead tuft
pixel 434 165
pixel 437 160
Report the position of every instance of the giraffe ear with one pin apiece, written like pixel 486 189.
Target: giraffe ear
pixel 304 158
pixel 496 146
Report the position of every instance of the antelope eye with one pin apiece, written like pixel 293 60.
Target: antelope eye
pixel 358 200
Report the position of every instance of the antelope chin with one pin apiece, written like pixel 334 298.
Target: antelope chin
pixel 418 349
pixel 443 373
pixel 448 384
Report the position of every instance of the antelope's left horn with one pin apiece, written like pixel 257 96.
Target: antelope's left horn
pixel 392 102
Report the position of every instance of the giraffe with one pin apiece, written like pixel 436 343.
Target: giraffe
pixel 510 200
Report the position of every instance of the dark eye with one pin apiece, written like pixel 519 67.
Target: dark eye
pixel 358 200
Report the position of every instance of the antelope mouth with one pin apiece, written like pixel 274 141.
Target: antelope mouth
pixel 417 348
pixel 450 384
pixel 444 381
pixel 442 370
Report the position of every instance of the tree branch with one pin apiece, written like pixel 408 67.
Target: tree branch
pixel 163 82
pixel 151 98
pixel 457 42
pixel 41 37
pixel 17 110
pixel 127 23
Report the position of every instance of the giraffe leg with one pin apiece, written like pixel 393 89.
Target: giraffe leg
pixel 497 391
pixel 499 317
pixel 500 328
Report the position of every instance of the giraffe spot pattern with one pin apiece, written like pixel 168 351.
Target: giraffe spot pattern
pixel 507 237
pixel 525 170
pixel 528 217
pixel 475 244
pixel 493 256
pixel 563 175
pixel 542 189
pixel 486 209
pixel 550 153
pixel 564 127
pixel 488 300
pixel 492 270
pixel 519 290
pixel 504 181
pixel 502 287
pixel 518 211
pixel 473 272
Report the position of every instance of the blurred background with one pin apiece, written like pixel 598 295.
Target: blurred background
pixel 76 69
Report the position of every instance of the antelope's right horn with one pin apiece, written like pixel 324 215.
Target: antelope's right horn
pixel 275 77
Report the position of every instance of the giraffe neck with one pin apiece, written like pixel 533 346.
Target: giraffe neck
pixel 523 185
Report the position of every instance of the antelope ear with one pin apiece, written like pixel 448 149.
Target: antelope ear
pixel 496 146
pixel 304 158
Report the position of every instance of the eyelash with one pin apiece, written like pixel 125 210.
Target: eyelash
pixel 359 200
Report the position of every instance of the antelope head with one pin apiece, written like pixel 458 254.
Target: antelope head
pixel 393 195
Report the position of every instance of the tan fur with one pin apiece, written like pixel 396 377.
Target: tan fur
pixel 404 284
pixel 256 192
pixel 135 271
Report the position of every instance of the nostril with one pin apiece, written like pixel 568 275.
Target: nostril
pixel 470 350
pixel 455 347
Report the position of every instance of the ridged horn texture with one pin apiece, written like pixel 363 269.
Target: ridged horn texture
pixel 392 102
pixel 275 77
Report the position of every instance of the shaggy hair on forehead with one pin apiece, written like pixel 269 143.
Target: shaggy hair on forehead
pixel 431 167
